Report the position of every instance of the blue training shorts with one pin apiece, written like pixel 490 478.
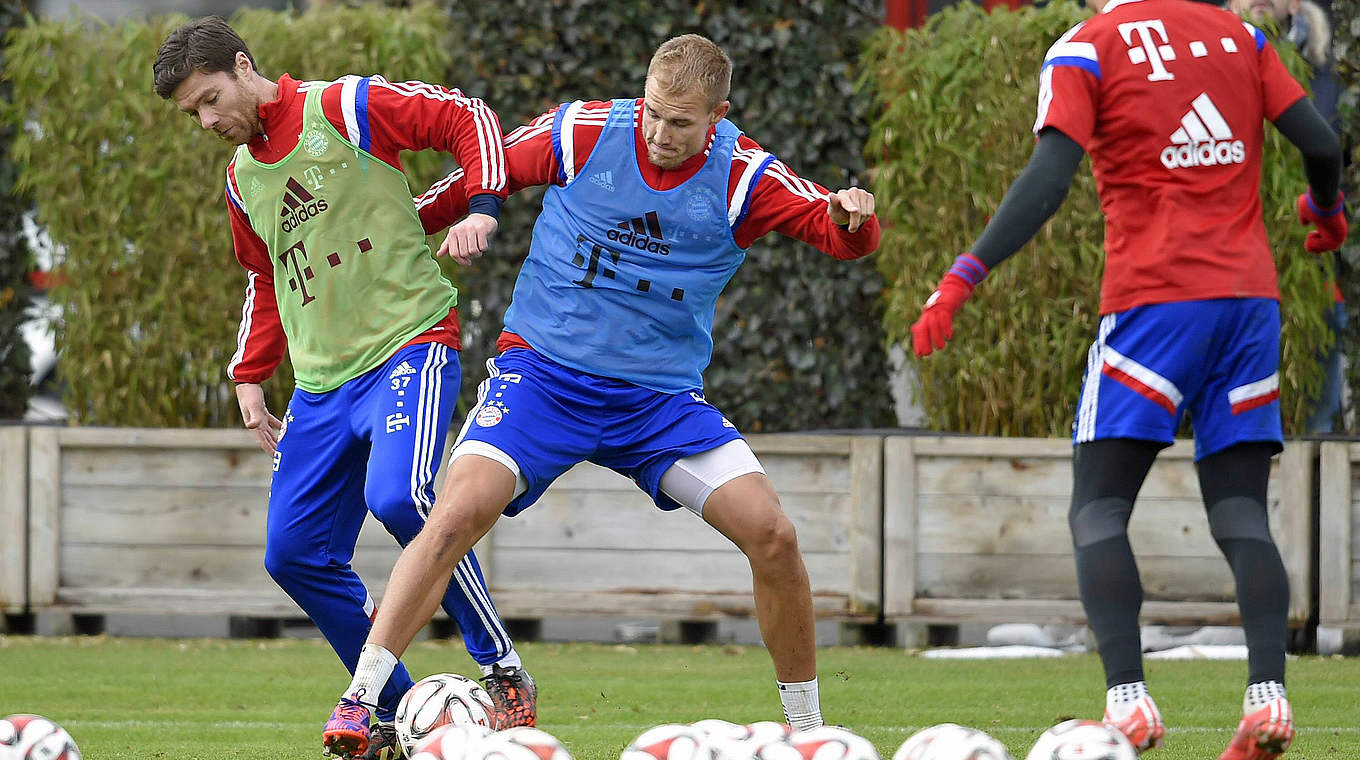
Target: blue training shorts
pixel 1219 359
pixel 548 417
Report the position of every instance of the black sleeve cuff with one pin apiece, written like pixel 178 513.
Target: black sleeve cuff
pixel 486 203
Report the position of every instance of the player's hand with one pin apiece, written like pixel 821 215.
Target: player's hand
pixel 1330 223
pixel 850 208
pixel 936 325
pixel 250 396
pixel 469 238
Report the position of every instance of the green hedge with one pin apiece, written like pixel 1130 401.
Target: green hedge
pixel 798 338
pixel 1015 364
pixel 133 190
pixel 16 262
pixel 799 343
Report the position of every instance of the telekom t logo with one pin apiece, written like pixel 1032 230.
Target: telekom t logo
pixel 1148 48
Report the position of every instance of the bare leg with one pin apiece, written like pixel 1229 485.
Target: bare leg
pixel 747 511
pixel 474 493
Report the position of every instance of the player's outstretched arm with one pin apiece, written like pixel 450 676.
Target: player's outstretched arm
pixel 1322 206
pixel 1033 197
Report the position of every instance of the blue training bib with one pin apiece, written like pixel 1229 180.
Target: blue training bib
pixel 622 279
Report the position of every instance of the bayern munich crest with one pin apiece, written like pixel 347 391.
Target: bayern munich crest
pixel 315 142
pixel 490 415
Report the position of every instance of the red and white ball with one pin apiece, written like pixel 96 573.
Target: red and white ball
pixel 668 741
pixel 950 741
pixel 440 700
pixel 521 743
pixel 33 737
pixel 450 742
pixel 1082 740
pixel 824 743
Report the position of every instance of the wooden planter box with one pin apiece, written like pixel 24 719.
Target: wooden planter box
pixel 173 521
pixel 976 529
pixel 1339 536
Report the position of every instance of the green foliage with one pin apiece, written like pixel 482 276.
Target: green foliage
pixel 16 262
pixel 205 699
pixel 956 104
pixel 798 339
pixel 134 191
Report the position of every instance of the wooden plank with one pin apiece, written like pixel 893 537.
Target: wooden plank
pixel 667 604
pixel 798 443
pixel 1065 611
pixel 13 518
pixel 207 467
pixel 899 523
pixel 174 438
pixel 612 520
pixel 984 446
pixel 86 566
pixel 44 510
pixel 866 524
pixel 1291 521
pixel 961 524
pixel 1054 577
pixel 651 571
pixel 1335 589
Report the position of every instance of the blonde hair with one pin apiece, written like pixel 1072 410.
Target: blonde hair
pixel 692 63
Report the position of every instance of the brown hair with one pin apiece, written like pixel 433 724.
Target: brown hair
pixel 207 45
pixel 690 62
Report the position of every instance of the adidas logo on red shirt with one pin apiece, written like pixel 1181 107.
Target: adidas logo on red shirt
pixel 1204 139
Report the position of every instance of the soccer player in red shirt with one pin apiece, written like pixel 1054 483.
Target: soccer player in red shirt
pixel 1169 98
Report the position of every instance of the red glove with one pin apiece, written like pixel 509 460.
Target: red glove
pixel 936 325
pixel 1330 222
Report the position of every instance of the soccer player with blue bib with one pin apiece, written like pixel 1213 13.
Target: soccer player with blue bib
pixel 340 276
pixel 1169 98
pixel 651 204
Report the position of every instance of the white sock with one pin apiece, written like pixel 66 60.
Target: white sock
pixel 370 675
pixel 1261 694
pixel 1122 699
pixel 509 661
pixel 802 708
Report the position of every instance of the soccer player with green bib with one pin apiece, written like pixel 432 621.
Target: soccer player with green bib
pixel 340 276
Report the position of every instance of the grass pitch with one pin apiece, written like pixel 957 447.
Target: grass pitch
pixel 214 699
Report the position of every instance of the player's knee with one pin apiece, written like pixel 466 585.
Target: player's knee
pixel 1099 520
pixel 287 560
pixel 1239 517
pixel 774 541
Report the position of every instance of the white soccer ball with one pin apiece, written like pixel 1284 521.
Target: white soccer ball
pixel 450 742
pixel 520 743
pixel 731 741
pixel 33 737
pixel 950 741
pixel 823 743
pixel 1082 740
pixel 440 700
pixel 668 741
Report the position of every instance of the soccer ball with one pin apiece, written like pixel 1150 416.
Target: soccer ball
pixel 440 700
pixel 730 741
pixel 31 737
pixel 450 742
pixel 669 741
pixel 824 743
pixel 520 743
pixel 950 741
pixel 1082 740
